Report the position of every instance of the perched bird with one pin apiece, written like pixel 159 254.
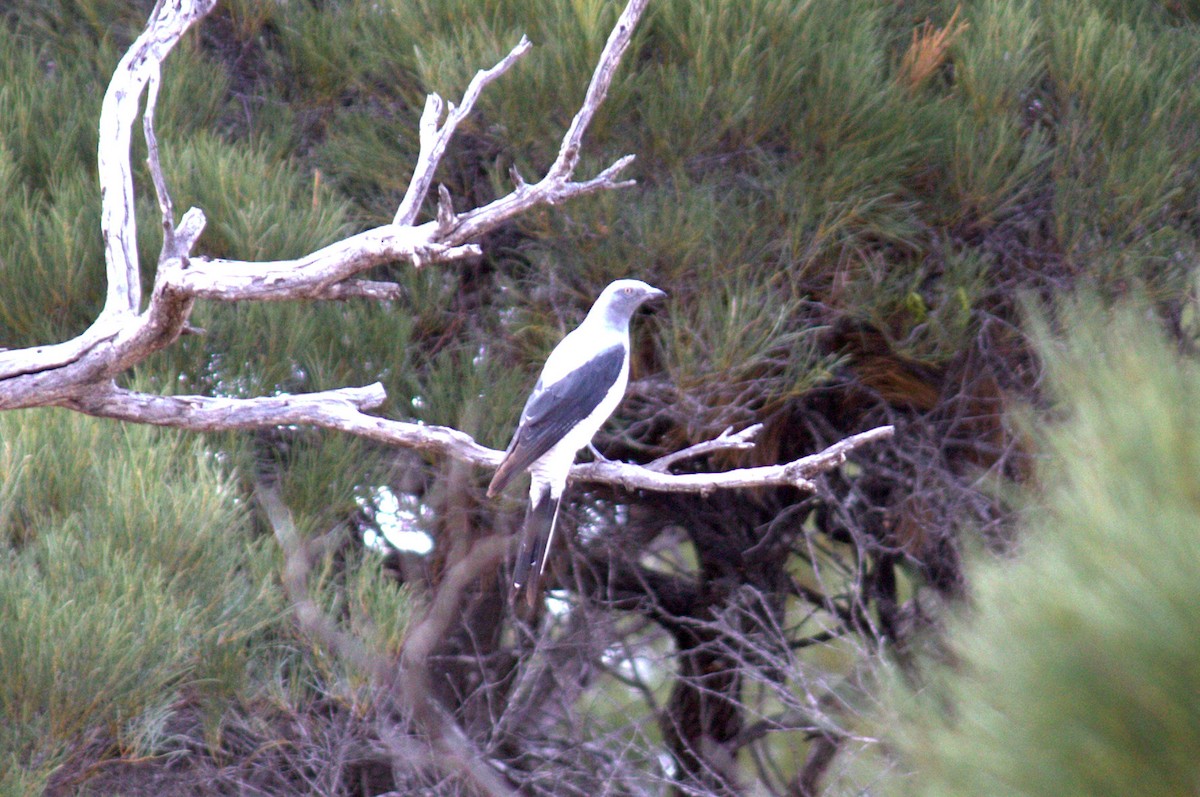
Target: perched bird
pixel 581 384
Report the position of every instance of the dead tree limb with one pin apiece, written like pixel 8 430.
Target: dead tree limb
pixel 343 410
pixel 124 334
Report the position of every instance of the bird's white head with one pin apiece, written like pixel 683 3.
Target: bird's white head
pixel 618 302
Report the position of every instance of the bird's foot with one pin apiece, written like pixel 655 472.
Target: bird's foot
pixel 596 453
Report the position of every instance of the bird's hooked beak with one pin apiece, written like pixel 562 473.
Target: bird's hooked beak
pixel 655 296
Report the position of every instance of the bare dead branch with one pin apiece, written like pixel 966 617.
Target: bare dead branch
pixel 434 138
pixel 309 277
pixel 62 374
pixel 363 289
pixel 118 113
pixel 79 374
pixel 330 409
pixel 165 206
pixel 446 217
pixel 741 441
pixel 797 473
pixel 556 186
pixel 342 410
pixel 606 69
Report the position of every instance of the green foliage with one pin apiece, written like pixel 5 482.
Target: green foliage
pixel 355 589
pixel 50 125
pixel 51 257
pixel 322 49
pixel 469 390
pixel 49 249
pixel 996 157
pixel 755 72
pixel 726 339
pixel 1126 124
pixel 1075 670
pixel 928 305
pixel 323 472
pixel 257 210
pixel 377 61
pixel 370 160
pixel 471 35
pixel 251 18
pixel 294 351
pixel 129 578
pixel 193 96
pixel 50 261
pixel 76 26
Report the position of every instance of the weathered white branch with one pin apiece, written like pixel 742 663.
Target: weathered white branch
pixel 606 69
pixel 557 186
pixel 725 441
pixel 434 139
pixel 165 206
pixel 362 289
pixel 343 410
pixel 797 473
pixel 118 113
pixel 121 337
pixel 310 276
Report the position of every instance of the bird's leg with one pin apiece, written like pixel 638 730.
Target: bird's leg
pixel 596 453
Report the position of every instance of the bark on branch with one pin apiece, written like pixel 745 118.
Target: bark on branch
pixel 343 410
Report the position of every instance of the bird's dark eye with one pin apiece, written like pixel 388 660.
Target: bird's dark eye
pixel 627 290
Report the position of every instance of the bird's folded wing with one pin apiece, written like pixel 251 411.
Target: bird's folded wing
pixel 554 410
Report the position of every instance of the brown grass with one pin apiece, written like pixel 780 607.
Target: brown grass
pixel 928 51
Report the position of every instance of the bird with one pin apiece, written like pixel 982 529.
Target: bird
pixel 581 384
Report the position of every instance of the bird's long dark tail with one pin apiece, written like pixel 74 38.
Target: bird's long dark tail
pixel 540 519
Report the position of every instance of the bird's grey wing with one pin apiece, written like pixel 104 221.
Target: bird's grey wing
pixel 554 410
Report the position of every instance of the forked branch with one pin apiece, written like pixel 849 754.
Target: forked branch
pixel 80 372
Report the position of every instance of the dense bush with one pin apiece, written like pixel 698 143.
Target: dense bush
pixel 1074 668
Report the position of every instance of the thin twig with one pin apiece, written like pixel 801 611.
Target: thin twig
pixel 740 441
pixel 165 205
pixel 597 91
pixel 797 473
pixel 434 138
pixel 409 686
